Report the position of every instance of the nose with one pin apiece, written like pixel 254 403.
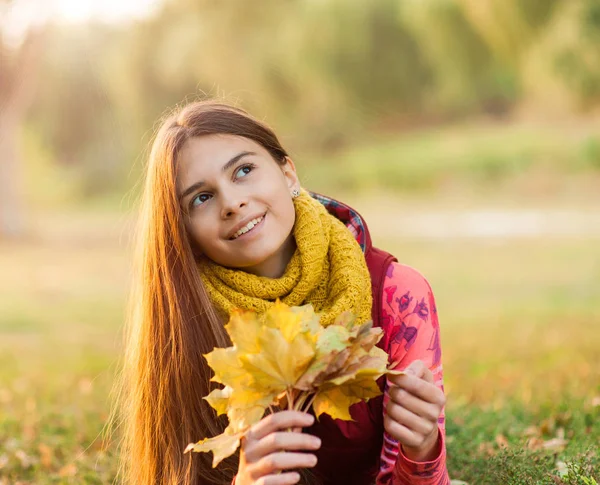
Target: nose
pixel 232 203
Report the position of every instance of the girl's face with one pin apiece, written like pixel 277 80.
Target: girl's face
pixel 237 203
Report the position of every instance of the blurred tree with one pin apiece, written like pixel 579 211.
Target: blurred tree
pixel 462 64
pixel 19 59
pixel 370 61
pixel 509 26
pixel 564 65
pixel 204 47
pixel 75 115
pixel 577 62
pixel 322 72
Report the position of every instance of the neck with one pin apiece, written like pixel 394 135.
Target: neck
pixel 274 266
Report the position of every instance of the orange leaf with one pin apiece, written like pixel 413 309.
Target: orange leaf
pixel 69 470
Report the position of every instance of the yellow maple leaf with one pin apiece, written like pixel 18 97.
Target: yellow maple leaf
pixel 240 419
pixel 365 335
pixel 227 367
pixel 363 346
pixel 369 366
pixel 334 337
pixel 247 406
pixel 219 399
pixel 321 368
pixel 285 358
pixel 281 362
pixel 337 399
pixel 395 372
pixel 351 375
pixel 222 446
pixel 347 320
pixel 309 320
pixel 368 341
pixel 331 353
pixel 281 317
pixel 243 406
pixel 243 328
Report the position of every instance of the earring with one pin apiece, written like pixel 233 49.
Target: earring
pixel 295 193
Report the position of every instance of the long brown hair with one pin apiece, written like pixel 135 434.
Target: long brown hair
pixel 171 321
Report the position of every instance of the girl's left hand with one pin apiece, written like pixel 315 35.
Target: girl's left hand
pixel 413 410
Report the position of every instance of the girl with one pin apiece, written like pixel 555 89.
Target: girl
pixel 224 223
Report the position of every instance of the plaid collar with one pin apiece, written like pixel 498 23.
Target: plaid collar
pixel 352 219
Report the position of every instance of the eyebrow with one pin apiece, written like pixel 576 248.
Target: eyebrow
pixel 227 166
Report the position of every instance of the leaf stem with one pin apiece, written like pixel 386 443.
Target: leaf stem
pixel 310 401
pixel 301 400
pixel 289 392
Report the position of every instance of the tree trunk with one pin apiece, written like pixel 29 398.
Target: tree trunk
pixel 12 223
pixel 17 86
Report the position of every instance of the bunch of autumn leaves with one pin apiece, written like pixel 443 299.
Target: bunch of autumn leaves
pixel 286 359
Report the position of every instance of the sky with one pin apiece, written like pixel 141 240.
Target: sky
pixel 22 14
pixel 109 10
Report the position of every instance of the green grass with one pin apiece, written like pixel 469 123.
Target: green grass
pixel 502 445
pixel 474 155
pixel 520 332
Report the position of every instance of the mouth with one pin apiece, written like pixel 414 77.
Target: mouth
pixel 248 228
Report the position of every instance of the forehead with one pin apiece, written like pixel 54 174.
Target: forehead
pixel 205 155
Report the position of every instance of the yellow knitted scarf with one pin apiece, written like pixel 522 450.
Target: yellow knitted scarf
pixel 328 270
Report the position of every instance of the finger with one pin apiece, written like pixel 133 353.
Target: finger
pixel 430 410
pixel 281 461
pixel 414 422
pixel 277 421
pixel 420 370
pixel 285 440
pixel 427 391
pixel 280 479
pixel 403 434
pixel 416 369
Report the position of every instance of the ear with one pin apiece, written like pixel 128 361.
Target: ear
pixel 290 174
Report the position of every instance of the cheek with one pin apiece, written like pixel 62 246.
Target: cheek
pixel 288 217
pixel 201 234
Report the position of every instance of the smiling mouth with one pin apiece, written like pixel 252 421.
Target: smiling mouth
pixel 248 227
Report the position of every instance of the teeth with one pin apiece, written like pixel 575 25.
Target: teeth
pixel 247 227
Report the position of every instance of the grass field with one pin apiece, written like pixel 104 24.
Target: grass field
pixel 520 333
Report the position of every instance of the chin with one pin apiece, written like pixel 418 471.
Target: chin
pixel 257 258
pixel 253 262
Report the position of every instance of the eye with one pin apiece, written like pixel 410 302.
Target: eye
pixel 201 198
pixel 244 170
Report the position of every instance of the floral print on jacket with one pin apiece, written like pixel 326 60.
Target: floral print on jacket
pixel 411 332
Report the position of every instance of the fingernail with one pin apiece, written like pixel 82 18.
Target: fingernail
pixel 310 419
pixel 316 442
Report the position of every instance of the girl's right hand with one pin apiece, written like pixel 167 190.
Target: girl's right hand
pixel 268 449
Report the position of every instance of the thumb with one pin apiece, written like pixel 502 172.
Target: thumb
pixel 416 368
